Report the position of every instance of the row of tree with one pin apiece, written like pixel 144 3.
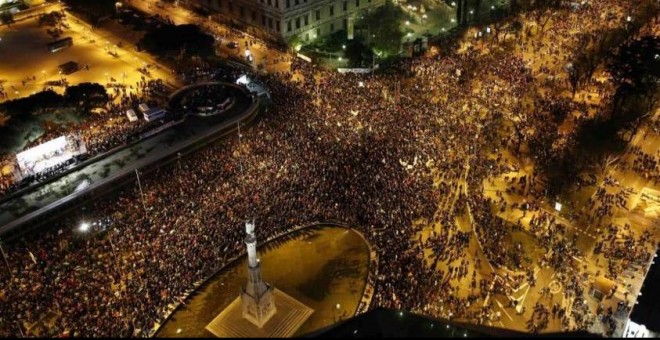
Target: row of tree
pixel 82 98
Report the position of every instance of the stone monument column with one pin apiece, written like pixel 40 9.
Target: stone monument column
pixel 257 296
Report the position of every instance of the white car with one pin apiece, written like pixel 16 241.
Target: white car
pixel 131 115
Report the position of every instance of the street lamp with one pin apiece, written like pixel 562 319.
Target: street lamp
pixel 84 227
pixel 4 257
pixel 336 311
pixel 43 73
pixel 558 206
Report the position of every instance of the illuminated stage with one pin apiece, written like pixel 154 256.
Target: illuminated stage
pixel 49 154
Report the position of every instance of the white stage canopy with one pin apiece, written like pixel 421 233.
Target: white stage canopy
pixel 44 156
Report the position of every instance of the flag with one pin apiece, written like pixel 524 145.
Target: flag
pixel 32 257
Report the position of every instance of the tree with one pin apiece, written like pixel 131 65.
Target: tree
pixel 94 10
pixel 294 41
pixel 172 39
pixel 52 19
pixel 635 69
pixel 86 96
pixel 358 54
pixel 515 27
pixel 6 18
pixel 23 108
pixel 636 66
pixel 384 28
pixel 498 15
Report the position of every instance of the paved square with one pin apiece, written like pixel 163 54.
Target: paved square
pixel 291 314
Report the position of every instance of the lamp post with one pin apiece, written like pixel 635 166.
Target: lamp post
pixel 4 257
pixel 137 175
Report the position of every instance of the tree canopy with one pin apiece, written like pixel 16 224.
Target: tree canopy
pixel 383 24
pixel 85 96
pixel 23 108
pixel 172 39
pixel 636 66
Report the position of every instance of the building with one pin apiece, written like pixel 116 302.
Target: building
pixel 284 19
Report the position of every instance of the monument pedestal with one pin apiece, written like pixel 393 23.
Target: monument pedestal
pixel 290 315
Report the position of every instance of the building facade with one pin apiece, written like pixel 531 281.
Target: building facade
pixel 308 19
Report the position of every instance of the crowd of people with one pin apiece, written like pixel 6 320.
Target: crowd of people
pixel 375 151
pixel 99 132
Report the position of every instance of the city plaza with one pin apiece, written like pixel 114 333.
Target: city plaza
pixel 438 164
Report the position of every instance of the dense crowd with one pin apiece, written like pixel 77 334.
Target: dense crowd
pixel 376 151
pixel 100 132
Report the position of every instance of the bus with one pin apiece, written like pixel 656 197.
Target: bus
pixel 60 44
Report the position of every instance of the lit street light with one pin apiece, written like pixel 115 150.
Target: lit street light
pixel 84 227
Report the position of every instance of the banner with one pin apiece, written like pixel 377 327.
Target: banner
pixel 353 70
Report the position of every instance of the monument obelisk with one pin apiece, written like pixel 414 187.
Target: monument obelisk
pixel 257 296
pixel 261 310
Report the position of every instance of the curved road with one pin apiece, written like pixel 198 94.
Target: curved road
pixel 40 199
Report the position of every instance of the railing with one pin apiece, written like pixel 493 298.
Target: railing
pixel 125 176
pixel 362 306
